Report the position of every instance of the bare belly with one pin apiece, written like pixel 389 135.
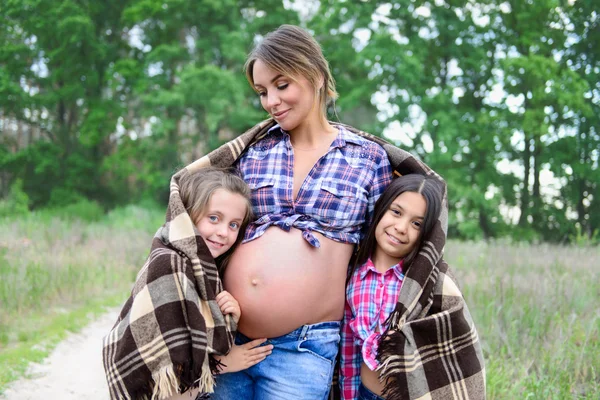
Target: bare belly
pixel 282 283
pixel 370 379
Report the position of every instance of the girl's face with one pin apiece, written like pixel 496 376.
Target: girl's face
pixel 290 102
pixel 219 224
pixel 398 230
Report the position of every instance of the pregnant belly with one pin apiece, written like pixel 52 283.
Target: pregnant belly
pixel 282 283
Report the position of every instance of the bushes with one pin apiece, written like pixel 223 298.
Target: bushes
pixel 16 203
pixel 85 210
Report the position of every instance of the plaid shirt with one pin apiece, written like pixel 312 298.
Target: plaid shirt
pixel 336 198
pixel 371 297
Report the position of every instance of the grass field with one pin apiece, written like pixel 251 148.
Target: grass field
pixel 56 274
pixel 537 308
pixel 538 316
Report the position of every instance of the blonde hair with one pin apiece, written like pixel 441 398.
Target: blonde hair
pixel 197 188
pixel 293 52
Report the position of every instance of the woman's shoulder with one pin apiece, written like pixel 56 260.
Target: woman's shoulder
pixel 266 142
pixel 367 148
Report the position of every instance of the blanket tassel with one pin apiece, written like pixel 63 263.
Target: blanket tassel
pixel 206 382
pixel 166 383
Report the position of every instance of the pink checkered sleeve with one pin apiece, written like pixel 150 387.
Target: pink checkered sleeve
pixel 350 359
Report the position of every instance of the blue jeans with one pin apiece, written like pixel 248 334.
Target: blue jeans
pixel 366 394
pixel 300 367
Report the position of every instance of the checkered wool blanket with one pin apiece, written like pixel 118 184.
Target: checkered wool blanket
pixel 431 350
pixel 171 324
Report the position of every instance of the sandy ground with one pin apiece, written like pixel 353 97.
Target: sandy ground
pixel 73 370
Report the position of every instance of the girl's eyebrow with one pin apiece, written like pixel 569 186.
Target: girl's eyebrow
pixel 402 209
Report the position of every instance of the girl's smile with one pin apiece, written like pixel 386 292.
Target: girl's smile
pixel 219 225
pixel 397 232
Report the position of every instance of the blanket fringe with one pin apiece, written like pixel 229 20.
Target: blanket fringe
pixel 166 383
pixel 206 381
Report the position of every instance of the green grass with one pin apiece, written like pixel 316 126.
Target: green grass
pixel 538 317
pixel 36 338
pixel 58 273
pixel 536 307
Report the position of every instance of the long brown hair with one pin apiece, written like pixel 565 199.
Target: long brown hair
pixel 427 186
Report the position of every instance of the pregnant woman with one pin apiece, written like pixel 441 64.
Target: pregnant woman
pixel 313 187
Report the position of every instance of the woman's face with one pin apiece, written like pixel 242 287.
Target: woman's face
pixel 290 102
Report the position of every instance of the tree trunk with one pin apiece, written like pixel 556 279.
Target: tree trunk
pixel 536 199
pixel 525 189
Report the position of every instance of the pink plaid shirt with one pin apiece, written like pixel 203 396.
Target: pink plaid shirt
pixel 371 297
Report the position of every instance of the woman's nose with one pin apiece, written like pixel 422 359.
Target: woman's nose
pixel 273 99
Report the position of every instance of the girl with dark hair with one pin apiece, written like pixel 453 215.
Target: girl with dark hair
pixel 404 216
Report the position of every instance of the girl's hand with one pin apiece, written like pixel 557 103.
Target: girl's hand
pixel 244 356
pixel 229 305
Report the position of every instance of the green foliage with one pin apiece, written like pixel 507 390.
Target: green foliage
pixel 16 203
pixel 499 97
pixel 584 239
pixel 82 209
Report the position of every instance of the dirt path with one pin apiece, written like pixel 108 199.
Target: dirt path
pixel 73 370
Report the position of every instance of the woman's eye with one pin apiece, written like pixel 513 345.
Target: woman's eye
pixel 395 212
pixel 417 224
pixel 282 86
pixel 261 94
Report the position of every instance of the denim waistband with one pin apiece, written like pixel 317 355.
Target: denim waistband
pixel 322 329
pixel 364 393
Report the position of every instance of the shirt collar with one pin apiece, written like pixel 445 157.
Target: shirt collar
pixel 344 135
pixel 369 266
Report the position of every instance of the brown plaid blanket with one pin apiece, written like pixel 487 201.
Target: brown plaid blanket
pixel 171 324
pixel 431 349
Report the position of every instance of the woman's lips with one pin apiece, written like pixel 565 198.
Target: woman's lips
pixel 280 115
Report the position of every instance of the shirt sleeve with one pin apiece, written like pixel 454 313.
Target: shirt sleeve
pixel 350 359
pixel 381 179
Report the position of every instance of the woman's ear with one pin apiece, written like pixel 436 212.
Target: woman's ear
pixel 321 82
